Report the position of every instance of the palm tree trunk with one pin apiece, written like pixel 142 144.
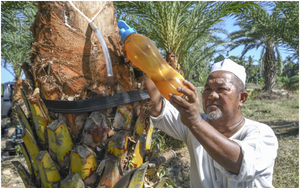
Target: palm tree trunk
pixel 67 63
pixel 172 60
pixel 270 69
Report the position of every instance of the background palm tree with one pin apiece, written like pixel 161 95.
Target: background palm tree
pixel 289 34
pixel 260 28
pixel 290 68
pixel 16 19
pixel 251 70
pixel 178 26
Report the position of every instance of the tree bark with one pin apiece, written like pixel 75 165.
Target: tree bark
pixel 270 69
pixel 172 60
pixel 67 56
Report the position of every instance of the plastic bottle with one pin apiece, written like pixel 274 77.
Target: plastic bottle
pixel 143 53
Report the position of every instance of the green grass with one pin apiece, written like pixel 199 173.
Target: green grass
pixel 283 117
pixel 286 171
pixel 271 110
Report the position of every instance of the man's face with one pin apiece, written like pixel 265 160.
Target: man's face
pixel 219 97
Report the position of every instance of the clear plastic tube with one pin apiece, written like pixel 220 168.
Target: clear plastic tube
pixel 104 48
pixel 101 39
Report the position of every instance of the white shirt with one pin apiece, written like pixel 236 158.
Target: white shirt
pixel 258 143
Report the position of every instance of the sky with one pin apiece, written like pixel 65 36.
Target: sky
pixel 229 26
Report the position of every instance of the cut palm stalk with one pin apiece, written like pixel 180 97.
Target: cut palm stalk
pixel 23 94
pixel 32 149
pixel 152 171
pixel 122 120
pixel 24 120
pixel 48 172
pixel 23 173
pixel 111 172
pixel 149 137
pixel 27 158
pixel 118 145
pixel 137 159
pixel 95 129
pixel 60 142
pixel 39 114
pixel 84 163
pixel 139 125
pixel 72 180
pixel 138 177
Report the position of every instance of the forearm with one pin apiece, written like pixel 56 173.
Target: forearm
pixel 154 94
pixel 224 151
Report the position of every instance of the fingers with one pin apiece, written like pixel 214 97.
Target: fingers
pixel 179 101
pixel 190 86
pixel 190 91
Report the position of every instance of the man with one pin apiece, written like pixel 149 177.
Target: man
pixel 226 149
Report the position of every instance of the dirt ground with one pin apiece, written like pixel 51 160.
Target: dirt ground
pixel 9 175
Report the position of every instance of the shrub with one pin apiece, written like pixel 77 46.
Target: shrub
pixel 291 83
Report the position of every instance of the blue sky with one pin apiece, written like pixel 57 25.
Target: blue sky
pixel 229 26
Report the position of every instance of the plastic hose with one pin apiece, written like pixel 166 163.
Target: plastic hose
pixel 101 40
pixel 104 48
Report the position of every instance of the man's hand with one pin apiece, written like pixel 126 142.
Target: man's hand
pixel 189 109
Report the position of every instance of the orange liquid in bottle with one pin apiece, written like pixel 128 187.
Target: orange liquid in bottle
pixel 143 53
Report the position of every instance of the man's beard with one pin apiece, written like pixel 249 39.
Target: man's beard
pixel 214 115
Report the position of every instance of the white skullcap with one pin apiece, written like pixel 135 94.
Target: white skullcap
pixel 230 66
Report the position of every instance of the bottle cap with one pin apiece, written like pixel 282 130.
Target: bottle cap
pixel 125 30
